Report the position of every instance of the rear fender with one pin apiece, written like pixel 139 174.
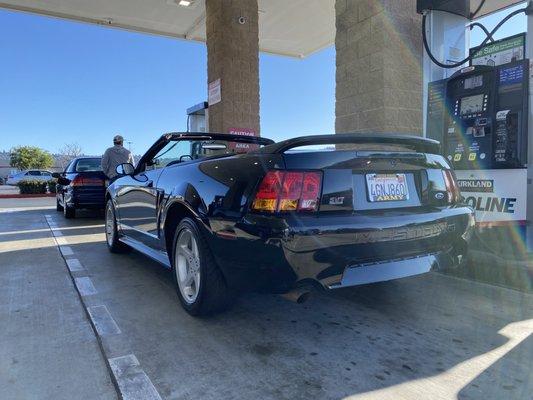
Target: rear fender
pixel 111 194
pixel 186 196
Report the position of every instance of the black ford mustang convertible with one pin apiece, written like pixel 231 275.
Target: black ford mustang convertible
pixel 319 211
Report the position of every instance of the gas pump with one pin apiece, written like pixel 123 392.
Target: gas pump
pixel 477 105
pixel 483 121
pixel 197 117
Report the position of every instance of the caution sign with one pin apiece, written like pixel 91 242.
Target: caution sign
pixel 242 147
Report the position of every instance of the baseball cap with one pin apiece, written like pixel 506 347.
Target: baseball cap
pixel 118 139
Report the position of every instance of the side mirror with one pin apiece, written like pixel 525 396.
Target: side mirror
pixel 125 169
pixel 56 175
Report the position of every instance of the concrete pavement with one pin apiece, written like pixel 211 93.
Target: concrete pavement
pixel 429 337
pixel 48 349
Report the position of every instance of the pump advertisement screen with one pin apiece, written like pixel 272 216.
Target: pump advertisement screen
pixel 472 104
pixel 500 52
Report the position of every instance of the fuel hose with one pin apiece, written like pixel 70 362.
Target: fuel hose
pixel 527 10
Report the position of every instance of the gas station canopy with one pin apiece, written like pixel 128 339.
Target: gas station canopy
pixel 491 6
pixel 293 28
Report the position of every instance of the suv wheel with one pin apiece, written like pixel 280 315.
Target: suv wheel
pixel 111 232
pixel 200 285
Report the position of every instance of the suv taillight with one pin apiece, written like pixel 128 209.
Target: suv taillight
pixel 282 191
pixel 454 195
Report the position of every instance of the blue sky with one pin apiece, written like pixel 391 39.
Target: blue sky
pixel 65 82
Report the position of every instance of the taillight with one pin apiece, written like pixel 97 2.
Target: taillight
pixel 454 195
pixel 312 186
pixel 85 181
pixel 266 198
pixel 282 191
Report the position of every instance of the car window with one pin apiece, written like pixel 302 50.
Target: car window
pixel 179 151
pixel 46 173
pixel 69 166
pixel 88 164
pixel 173 152
pixel 34 173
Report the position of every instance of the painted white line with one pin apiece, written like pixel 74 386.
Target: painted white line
pixel 21 209
pixel 103 321
pixel 48 216
pixel 61 241
pixel 132 380
pixel 66 251
pixel 85 286
pixel 74 264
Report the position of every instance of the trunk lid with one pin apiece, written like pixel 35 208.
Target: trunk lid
pixel 366 180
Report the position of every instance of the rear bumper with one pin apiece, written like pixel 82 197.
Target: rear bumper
pixel 338 251
pixel 85 198
pixel 394 269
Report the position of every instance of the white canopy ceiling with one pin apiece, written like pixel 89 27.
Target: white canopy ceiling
pixel 294 28
pixel 491 6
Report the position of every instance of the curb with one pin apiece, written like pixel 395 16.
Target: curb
pixel 128 377
pixel 26 196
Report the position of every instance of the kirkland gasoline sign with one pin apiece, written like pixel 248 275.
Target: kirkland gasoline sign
pixel 495 195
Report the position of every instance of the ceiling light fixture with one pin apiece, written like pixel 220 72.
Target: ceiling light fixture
pixel 184 3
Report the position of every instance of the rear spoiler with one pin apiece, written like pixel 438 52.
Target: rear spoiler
pixel 417 143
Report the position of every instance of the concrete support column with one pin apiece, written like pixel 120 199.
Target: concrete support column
pixel 233 57
pixel 379 66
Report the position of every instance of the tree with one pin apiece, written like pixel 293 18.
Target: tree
pixel 68 152
pixel 28 157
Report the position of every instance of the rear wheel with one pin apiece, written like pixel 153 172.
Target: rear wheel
pixel 200 285
pixel 111 232
pixel 68 211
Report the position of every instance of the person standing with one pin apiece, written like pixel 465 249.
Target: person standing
pixel 114 156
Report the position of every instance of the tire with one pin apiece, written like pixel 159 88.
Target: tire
pixel 111 232
pixel 59 207
pixel 203 292
pixel 68 212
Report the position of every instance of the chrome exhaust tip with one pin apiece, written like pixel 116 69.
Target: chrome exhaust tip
pixel 297 296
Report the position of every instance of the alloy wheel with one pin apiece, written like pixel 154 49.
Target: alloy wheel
pixel 109 224
pixel 187 265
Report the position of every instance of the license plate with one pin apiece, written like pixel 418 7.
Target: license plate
pixel 387 187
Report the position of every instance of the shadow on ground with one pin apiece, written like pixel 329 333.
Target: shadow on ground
pixel 430 336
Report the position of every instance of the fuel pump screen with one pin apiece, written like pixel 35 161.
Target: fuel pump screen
pixel 474 82
pixel 471 104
